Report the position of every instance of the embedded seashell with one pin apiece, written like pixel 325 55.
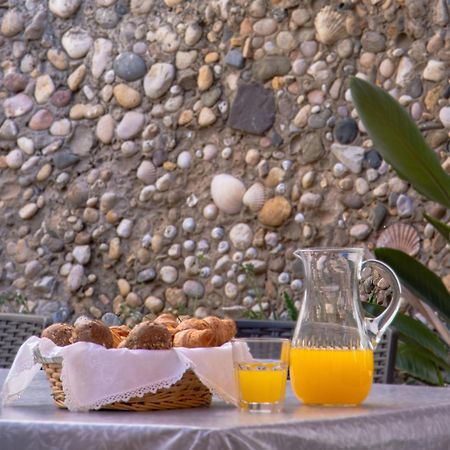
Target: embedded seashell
pixel 227 192
pixel 330 25
pixel 255 197
pixel 146 172
pixel 401 237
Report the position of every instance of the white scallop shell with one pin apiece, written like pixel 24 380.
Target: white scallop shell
pixel 227 192
pixel 146 172
pixel 255 197
pixel 401 237
pixel 330 25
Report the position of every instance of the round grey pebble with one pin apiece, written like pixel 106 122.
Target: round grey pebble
pixel 111 319
pixel 374 159
pixel 346 131
pixel 146 275
pixel 129 66
pixel 404 206
pixel 193 289
pixel 106 17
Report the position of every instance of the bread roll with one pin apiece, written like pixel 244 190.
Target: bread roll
pixel 149 336
pixel 93 331
pixel 59 333
pixel 192 338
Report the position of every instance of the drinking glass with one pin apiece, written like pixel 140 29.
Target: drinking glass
pixel 261 366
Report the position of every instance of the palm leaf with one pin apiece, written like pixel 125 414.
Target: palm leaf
pixel 400 142
pixel 441 227
pixel 421 281
pixel 416 362
pixel 413 329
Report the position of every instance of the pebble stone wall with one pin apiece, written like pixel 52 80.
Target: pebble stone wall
pixel 170 155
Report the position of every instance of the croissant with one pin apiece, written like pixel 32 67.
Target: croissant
pixel 197 324
pixel 224 329
pixel 168 320
pixel 192 338
pixel 119 333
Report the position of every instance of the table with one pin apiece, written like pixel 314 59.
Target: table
pixel 393 417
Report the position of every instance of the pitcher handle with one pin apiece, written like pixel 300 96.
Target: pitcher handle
pixel 377 326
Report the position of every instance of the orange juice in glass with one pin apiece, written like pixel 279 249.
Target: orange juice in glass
pixel 261 366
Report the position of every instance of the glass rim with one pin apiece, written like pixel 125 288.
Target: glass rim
pixel 260 339
pixel 329 249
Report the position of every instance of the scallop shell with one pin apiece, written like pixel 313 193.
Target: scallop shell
pixel 255 197
pixel 227 192
pixel 146 172
pixel 330 25
pixel 401 237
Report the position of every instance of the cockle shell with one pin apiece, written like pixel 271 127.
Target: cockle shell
pixel 401 237
pixel 227 192
pixel 255 197
pixel 146 172
pixel 330 25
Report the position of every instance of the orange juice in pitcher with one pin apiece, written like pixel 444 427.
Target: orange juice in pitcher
pixel 322 376
pixel 331 359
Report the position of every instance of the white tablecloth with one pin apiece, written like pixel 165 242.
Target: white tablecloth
pixel 393 417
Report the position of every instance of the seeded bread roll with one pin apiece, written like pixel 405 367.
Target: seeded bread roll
pixel 93 331
pixel 149 336
pixel 59 333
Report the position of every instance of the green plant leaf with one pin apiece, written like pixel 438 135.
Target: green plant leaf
pixel 442 364
pixel 400 142
pixel 290 306
pixel 421 281
pixel 413 329
pixel 442 227
pixel 416 362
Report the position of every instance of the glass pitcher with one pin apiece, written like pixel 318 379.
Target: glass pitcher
pixel 332 347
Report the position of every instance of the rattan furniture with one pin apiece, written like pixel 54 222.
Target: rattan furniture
pixel 394 417
pixel 14 330
pixel 384 354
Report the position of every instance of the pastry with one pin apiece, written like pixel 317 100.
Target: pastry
pixel 192 338
pixel 168 320
pixel 228 330
pixel 148 335
pixel 224 329
pixel 196 324
pixel 93 331
pixel 59 333
pixel 119 333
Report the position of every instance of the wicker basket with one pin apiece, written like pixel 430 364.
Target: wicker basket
pixel 188 392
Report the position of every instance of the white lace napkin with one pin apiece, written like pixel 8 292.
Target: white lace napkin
pixel 93 376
